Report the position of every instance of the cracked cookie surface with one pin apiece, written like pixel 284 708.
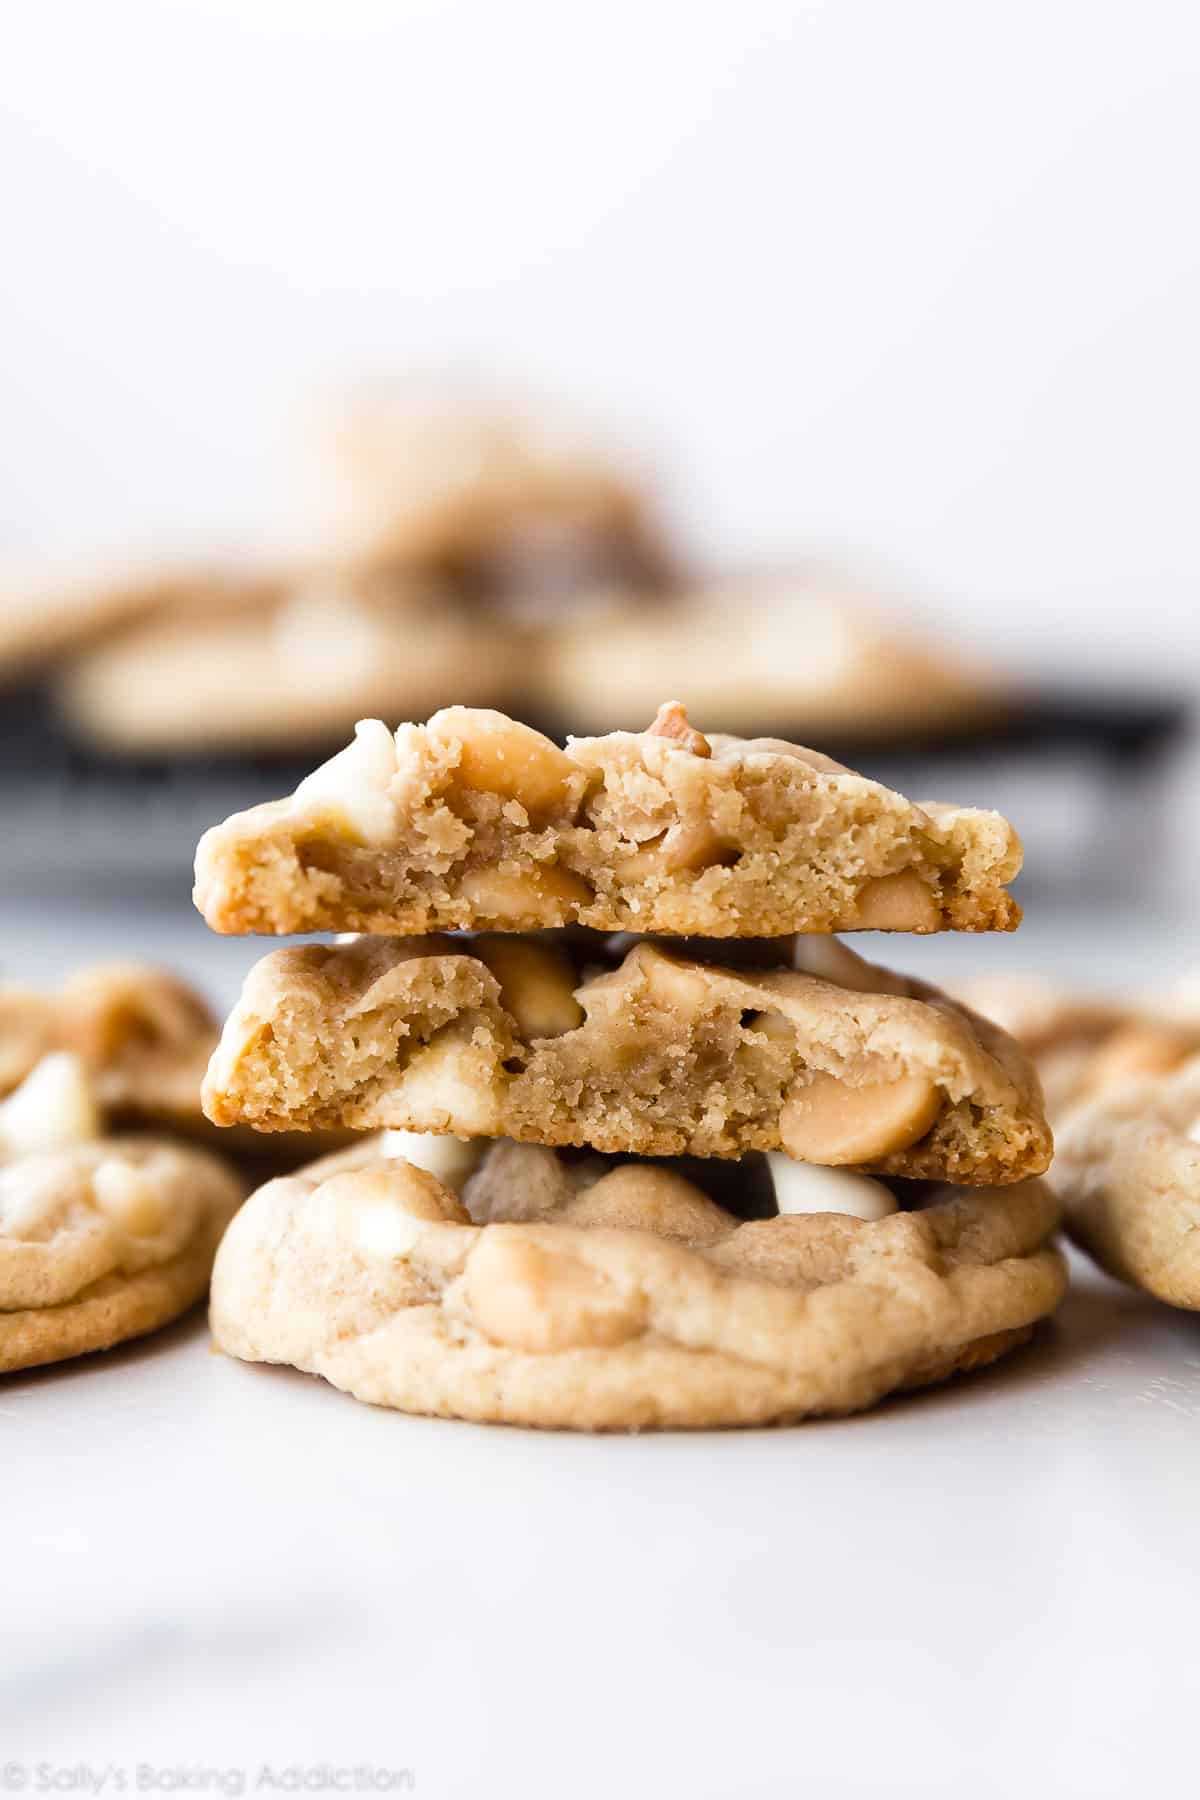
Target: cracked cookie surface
pixel 593 1298
pixel 655 1052
pixel 476 821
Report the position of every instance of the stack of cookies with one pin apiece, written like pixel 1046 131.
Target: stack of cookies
pixel 651 1147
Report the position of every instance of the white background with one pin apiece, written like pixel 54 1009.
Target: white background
pixel 919 280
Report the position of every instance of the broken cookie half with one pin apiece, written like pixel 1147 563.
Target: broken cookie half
pixel 640 1049
pixel 475 821
pixel 517 1286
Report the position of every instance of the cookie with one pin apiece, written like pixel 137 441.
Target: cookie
pixel 515 513
pixel 51 609
pixel 789 652
pixel 618 1299
pixel 1127 1171
pixel 476 821
pixel 1081 1044
pixel 105 1241
pixel 657 1054
pixel 288 661
pixel 145 1037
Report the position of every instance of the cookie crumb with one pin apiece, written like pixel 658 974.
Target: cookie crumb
pixel 671 721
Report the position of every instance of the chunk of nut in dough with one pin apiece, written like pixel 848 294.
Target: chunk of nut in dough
pixel 451 1081
pixel 541 895
pixel 671 721
pixel 647 1197
pixel 672 984
pixel 502 756
pixel 802 1187
pixel 825 1120
pixel 529 1298
pixel 683 847
pixel 900 902
pixel 537 984
pixel 53 1108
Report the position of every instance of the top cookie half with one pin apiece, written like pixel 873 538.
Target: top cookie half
pixel 477 822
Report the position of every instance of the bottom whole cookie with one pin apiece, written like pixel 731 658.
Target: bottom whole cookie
pixel 598 1297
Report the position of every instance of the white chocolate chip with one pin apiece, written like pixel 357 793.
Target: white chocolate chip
pixel 451 1159
pixel 808 1188
pixel 128 1198
pixel 326 639
pixel 53 1108
pixel 387 1232
pixel 353 787
pixel 451 1080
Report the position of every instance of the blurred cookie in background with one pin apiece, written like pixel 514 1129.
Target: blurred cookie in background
pixel 52 606
pixel 803 652
pixel 509 504
pixel 282 661
pixel 1128 1175
pixel 1083 1045
pixel 142 1037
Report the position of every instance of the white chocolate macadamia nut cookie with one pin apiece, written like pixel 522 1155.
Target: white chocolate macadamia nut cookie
pixel 541 1040
pixel 513 510
pixel 101 1239
pixel 804 650
pixel 475 821
pixel 289 659
pixel 143 1035
pixel 1127 1172
pixel 581 1296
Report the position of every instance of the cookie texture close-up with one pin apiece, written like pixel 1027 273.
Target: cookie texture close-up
pixel 618 1298
pixel 1127 1171
pixel 648 1051
pixel 477 821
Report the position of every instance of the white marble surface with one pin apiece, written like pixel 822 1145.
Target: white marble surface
pixel 983 1590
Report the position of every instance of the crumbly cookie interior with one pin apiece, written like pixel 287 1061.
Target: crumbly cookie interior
pixel 634 1049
